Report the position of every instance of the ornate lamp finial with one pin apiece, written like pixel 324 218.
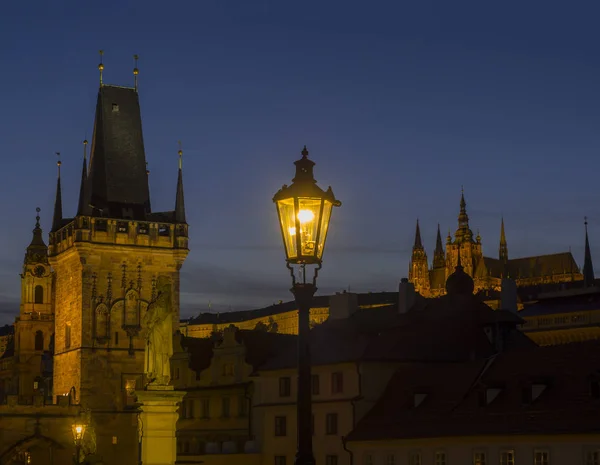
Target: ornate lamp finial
pixel 85 143
pixel 136 71
pixel 37 217
pixel 101 66
pixel 304 152
pixel 58 163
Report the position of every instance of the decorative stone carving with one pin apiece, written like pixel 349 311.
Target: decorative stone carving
pixel 158 322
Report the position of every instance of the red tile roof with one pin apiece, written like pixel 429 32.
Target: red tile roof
pixel 454 405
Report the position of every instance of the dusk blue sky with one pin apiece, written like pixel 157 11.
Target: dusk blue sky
pixel 400 103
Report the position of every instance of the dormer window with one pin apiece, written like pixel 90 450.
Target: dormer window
pixel 419 398
pixel 115 108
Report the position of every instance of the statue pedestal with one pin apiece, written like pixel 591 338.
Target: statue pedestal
pixel 158 420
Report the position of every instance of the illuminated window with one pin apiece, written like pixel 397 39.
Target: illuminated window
pixel 331 423
pixel 280 426
pixel 507 457
pixel 285 386
pixel 68 335
pixel 337 383
pixel 440 458
pixel 479 458
pixel 38 296
pixel 115 108
pixel 592 458
pixel 541 457
pixel 115 440
pixel 414 458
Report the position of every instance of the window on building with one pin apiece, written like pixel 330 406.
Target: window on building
pixel 280 460
pixel 507 457
pixel 38 296
pixel 440 458
pixel 243 406
pixel 191 406
pixel 205 408
pixel 331 423
pixel 315 385
pixel 591 458
pixel 331 460
pixel 67 335
pixel 228 369
pixel 183 409
pixel 414 458
pixel 280 426
pixel 116 338
pixel 479 458
pixel 337 383
pixel 39 340
pixel 390 459
pixel 541 457
pixel 225 407
pixel 285 386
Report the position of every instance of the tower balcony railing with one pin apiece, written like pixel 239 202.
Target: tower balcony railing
pixel 119 231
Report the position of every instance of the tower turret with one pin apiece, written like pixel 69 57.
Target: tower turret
pixel 463 233
pixel 179 201
pixel 503 249
pixel 439 259
pixel 57 218
pixel 418 272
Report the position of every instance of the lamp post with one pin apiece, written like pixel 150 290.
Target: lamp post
pixel 304 211
pixel 78 433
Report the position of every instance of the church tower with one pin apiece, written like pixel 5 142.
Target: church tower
pixel 107 260
pixel 419 269
pixel 439 259
pixel 464 244
pixel 34 328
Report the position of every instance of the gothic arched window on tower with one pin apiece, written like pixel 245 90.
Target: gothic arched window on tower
pixel 39 340
pixel 38 294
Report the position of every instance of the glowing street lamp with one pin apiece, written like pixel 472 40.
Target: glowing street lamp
pixel 304 211
pixel 78 434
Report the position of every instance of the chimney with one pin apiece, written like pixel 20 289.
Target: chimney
pixel 508 295
pixel 406 296
pixel 342 305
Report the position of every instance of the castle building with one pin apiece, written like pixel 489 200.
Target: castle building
pixel 487 272
pixel 85 294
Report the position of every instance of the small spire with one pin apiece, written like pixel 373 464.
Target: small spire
pixel 438 255
pixel 459 263
pixel 418 242
pixel 101 66
pixel 37 251
pixel 304 152
pixel 37 217
pixel 179 199
pixel 57 219
pixel 147 170
pixel 136 71
pixel 83 207
pixel 588 268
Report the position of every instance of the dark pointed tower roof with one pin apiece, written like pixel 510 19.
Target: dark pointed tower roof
pixel 503 249
pixel 418 242
pixel 57 218
pixel 588 267
pixel 439 260
pixel 179 200
pixel 37 251
pixel 83 206
pixel 463 233
pixel 117 182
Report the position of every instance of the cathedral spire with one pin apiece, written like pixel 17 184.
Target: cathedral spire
pixel 57 219
pixel 37 251
pixel 588 268
pixel 418 242
pixel 438 256
pixel 83 207
pixel 503 249
pixel 463 233
pixel 179 202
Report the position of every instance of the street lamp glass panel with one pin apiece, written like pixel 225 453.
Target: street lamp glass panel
pixel 326 216
pixel 78 432
pixel 287 219
pixel 309 214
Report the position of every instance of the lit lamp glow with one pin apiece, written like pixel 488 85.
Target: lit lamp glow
pixel 78 434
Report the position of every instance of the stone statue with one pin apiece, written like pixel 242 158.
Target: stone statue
pixel 158 322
